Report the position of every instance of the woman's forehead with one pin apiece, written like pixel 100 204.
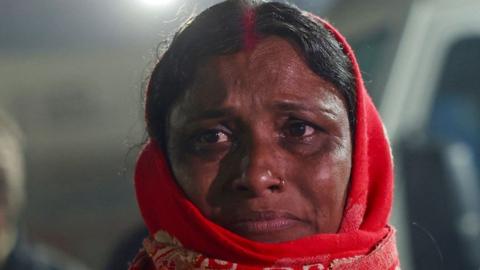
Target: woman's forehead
pixel 274 68
pixel 271 58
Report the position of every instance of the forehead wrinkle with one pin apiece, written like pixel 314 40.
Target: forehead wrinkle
pixel 264 63
pixel 296 104
pixel 246 77
pixel 240 78
pixel 283 72
pixel 205 92
pixel 291 72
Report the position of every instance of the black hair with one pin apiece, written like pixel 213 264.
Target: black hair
pixel 220 30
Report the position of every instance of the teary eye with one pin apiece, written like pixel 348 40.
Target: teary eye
pixel 212 136
pixel 298 128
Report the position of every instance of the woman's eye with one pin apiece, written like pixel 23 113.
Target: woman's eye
pixel 211 142
pixel 212 136
pixel 299 129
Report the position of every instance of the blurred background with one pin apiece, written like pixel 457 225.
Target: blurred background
pixel 71 77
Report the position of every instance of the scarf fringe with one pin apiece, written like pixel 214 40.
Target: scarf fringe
pixel 166 253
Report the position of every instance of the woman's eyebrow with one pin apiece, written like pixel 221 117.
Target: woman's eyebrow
pixel 302 106
pixel 211 114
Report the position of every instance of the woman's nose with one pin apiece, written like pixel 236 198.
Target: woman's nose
pixel 260 174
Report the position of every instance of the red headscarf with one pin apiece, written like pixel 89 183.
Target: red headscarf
pixel 182 238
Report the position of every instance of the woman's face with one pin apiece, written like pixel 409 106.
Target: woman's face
pixel 262 146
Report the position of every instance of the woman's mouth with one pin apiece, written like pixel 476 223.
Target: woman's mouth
pixel 256 224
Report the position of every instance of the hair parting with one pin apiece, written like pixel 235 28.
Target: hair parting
pixel 250 38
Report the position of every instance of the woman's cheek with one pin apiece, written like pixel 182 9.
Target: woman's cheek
pixel 209 154
pixel 325 177
pixel 309 147
pixel 194 176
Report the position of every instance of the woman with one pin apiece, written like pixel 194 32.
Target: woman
pixel 265 150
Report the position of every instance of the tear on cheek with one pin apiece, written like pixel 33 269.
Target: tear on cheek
pixel 206 156
pixel 325 173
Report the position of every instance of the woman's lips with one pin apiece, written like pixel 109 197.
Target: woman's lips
pixel 264 222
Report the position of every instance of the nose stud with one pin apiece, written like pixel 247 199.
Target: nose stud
pixel 282 183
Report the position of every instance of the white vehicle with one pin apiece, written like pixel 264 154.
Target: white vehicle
pixel 422 64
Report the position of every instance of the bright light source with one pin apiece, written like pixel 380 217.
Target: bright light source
pixel 157 2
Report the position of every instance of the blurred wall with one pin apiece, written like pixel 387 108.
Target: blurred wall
pixel 71 75
pixel 80 113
